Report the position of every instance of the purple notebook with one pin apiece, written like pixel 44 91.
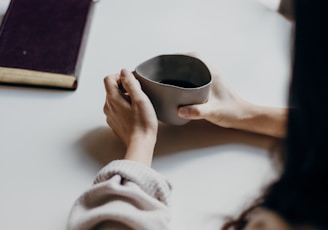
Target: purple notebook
pixel 42 42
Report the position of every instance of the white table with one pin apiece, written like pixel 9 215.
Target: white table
pixel 54 142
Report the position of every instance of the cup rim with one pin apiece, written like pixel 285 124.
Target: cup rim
pixel 135 72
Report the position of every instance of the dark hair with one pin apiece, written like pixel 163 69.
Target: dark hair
pixel 300 195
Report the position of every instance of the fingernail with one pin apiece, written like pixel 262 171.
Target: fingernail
pixel 124 73
pixel 184 112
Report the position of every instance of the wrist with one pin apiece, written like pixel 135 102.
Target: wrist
pixel 239 115
pixel 141 149
pixel 262 119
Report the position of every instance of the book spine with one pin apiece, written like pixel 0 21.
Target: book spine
pixel 85 37
pixel 17 76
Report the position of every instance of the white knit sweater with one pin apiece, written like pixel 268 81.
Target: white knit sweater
pixel 126 195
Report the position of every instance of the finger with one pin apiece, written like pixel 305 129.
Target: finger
pixel 194 112
pixel 114 98
pixel 111 87
pixel 106 83
pixel 105 109
pixel 109 80
pixel 131 85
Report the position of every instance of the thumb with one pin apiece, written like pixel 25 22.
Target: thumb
pixel 194 112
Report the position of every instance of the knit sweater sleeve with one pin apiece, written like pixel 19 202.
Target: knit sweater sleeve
pixel 126 195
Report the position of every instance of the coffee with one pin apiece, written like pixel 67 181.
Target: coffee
pixel 171 81
pixel 183 84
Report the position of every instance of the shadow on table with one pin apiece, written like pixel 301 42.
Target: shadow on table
pixel 104 146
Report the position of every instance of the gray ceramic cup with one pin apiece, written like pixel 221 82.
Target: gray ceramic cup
pixel 171 81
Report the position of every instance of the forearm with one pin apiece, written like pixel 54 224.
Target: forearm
pixel 265 120
pixel 141 149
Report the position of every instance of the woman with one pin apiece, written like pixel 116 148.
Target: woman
pixel 128 194
pixel 299 197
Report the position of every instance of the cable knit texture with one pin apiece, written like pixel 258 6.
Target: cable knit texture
pixel 126 195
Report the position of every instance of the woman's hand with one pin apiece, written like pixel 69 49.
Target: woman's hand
pixel 223 108
pixel 226 109
pixel 131 116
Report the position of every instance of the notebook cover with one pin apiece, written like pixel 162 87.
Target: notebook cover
pixel 42 42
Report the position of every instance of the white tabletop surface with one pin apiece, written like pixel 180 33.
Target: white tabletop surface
pixel 52 142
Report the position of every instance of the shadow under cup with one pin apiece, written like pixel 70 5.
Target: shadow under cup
pixel 171 81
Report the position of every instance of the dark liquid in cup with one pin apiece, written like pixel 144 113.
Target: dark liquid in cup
pixel 178 83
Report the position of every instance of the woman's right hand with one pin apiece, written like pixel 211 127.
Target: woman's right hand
pixel 131 115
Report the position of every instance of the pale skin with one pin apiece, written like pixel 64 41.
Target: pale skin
pixel 226 109
pixel 132 117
